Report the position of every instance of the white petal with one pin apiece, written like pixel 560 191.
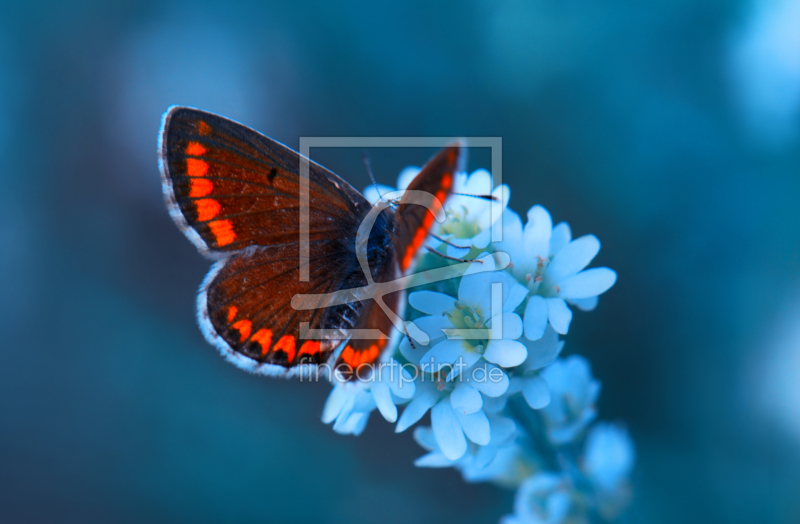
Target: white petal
pixel 573 257
pixel 506 353
pixel 433 460
pixel 487 265
pixel 515 296
pixel 465 399
pixel 445 352
pixel 535 317
pixel 483 457
pixel 364 401
pixel 383 399
pixel 397 378
pixel 503 429
pixel 560 238
pixel 412 353
pixel 494 404
pixel 543 351
pixel 515 385
pixel 482 239
pixel 476 427
pixel 511 325
pixel 424 437
pixel 352 424
pixel 447 430
pixel 488 379
pixel 431 302
pixel 536 392
pixel 537 232
pixel 584 304
pixel 499 203
pixel 476 290
pixel 426 397
pixel 465 361
pixel 512 241
pixel 560 315
pixel 512 228
pixel 479 182
pixel 334 404
pixel 589 283
pixel 494 211
pixel 406 176
pixel 433 325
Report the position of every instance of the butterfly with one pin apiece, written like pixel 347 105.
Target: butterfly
pixel 235 194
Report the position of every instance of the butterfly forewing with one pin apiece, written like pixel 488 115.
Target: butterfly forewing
pixel 414 221
pixel 230 187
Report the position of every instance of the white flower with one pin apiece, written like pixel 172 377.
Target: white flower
pixel 608 456
pixel 552 265
pixel 541 499
pixel 464 369
pixel 472 310
pixel 350 403
pixel 457 413
pixel 469 218
pixel 573 394
pixel 527 378
pixel 495 460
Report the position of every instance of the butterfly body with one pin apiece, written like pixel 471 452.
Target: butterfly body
pixel 236 194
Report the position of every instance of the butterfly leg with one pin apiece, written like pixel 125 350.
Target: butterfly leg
pixel 439 253
pixel 440 239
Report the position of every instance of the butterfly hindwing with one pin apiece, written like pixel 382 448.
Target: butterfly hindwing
pixel 245 309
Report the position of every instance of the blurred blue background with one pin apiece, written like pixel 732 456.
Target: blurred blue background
pixel 670 129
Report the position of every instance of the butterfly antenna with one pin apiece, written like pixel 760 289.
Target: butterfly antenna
pixel 368 164
pixel 484 197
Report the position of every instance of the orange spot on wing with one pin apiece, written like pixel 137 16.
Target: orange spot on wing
pixel 200 187
pixel 422 231
pixel 195 167
pixel 347 355
pixel 440 196
pixel 310 347
pixel 195 149
pixel 243 327
pixel 203 128
pixel 447 181
pixel 407 259
pixel 232 313
pixel 286 344
pixel 358 358
pixel 222 231
pixel 263 337
pixel 207 209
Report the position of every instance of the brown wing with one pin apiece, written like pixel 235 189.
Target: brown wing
pixel 228 186
pixel 412 224
pixel 245 305
pixel 244 308
pixel 414 221
pixel 235 193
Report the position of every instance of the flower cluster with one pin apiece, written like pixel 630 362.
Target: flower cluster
pixel 483 360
